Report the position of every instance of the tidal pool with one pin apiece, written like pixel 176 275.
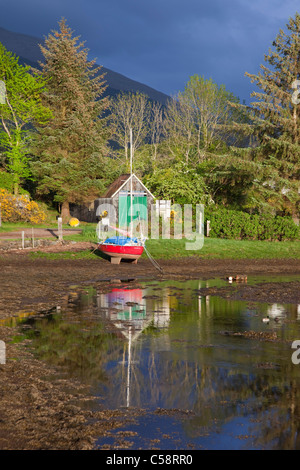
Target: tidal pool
pixel 205 372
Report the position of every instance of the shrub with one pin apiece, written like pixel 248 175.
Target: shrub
pixel 20 209
pixel 225 223
pixel 6 180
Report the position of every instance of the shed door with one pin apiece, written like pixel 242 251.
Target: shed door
pixel 139 209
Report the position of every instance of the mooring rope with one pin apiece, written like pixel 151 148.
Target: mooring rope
pixel 155 263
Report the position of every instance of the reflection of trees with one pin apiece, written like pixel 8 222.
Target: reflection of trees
pixel 215 377
pixel 80 348
pixel 279 414
pixel 214 395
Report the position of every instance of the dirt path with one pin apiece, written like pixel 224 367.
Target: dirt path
pixel 37 232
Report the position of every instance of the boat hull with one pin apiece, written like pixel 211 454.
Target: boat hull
pixel 118 252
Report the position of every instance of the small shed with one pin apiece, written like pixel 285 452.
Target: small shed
pixel 117 198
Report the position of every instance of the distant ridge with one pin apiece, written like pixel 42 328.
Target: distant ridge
pixel 26 47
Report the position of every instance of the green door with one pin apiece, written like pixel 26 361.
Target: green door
pixel 139 209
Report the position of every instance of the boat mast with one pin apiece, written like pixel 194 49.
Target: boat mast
pixel 131 198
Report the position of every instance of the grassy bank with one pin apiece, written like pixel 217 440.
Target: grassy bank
pixel 225 249
pixel 213 248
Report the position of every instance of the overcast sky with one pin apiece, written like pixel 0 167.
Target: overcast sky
pixel 162 43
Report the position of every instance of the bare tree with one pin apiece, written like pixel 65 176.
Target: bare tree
pixel 130 111
pixel 156 127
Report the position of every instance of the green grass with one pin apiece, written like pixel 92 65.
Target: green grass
pixel 216 248
pixel 213 248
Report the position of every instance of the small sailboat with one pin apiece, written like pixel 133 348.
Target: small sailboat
pixel 120 247
pixel 125 246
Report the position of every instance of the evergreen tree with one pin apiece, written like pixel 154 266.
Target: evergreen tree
pixel 72 147
pixel 275 116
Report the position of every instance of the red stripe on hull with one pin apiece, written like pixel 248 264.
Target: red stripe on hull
pixel 122 251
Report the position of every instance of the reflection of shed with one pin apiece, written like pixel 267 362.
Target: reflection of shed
pixel 118 197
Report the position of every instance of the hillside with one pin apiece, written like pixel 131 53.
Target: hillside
pixel 27 49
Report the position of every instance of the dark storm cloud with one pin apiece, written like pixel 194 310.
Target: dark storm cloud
pixel 163 42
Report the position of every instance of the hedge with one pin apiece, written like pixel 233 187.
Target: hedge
pixel 226 223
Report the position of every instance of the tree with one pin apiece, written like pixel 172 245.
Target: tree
pixel 179 127
pixel 179 183
pixel 275 114
pixel 130 111
pixel 72 146
pixel 197 119
pixel 156 128
pixel 212 112
pixel 20 109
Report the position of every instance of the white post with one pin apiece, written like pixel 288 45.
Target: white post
pixel 23 240
pixel 207 228
pixel 32 237
pixel 59 223
pixel 2 352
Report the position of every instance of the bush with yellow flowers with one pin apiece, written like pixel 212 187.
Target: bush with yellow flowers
pixel 20 208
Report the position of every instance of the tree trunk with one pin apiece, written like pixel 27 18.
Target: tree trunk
pixel 16 188
pixel 65 212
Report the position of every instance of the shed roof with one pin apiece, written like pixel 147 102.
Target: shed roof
pixel 117 185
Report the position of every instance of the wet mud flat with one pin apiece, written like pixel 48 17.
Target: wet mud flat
pixel 42 283
pixel 38 413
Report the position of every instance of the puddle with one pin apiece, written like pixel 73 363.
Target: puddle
pixel 206 371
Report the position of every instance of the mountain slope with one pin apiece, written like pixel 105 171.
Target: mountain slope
pixel 27 49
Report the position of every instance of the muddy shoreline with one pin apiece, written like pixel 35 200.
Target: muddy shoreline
pixel 39 414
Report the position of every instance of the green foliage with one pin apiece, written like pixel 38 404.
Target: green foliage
pixel 225 223
pixel 7 181
pixel 196 120
pixel 21 109
pixel 203 147
pixel 213 112
pixel 237 181
pixel 179 183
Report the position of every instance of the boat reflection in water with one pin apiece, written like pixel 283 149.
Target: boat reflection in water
pixel 129 313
